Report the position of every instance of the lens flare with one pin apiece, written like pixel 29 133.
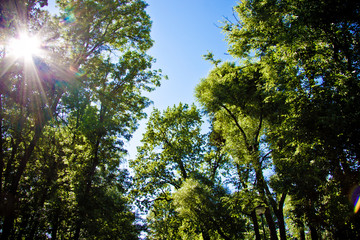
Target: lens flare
pixel 76 71
pixel 69 16
pixel 355 198
pixel 24 46
pixel 357 205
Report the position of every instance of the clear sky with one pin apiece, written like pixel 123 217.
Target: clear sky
pixel 183 31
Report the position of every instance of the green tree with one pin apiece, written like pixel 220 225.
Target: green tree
pixel 163 222
pixel 172 151
pixel 235 98
pixel 177 178
pixel 308 55
pixel 200 202
pixel 26 103
pixel 63 126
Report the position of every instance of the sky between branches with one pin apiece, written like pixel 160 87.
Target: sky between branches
pixel 183 31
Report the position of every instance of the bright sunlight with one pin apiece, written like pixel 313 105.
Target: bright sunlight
pixel 25 46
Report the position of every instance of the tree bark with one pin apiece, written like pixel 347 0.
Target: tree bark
pixel 271 224
pixel 256 225
pixel 302 231
pixel 12 204
pixel 205 235
pixel 280 216
pixel 313 232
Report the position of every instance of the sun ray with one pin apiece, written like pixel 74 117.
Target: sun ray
pixel 6 65
pixel 24 47
pixel 33 78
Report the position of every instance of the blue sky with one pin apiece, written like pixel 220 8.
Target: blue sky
pixel 183 31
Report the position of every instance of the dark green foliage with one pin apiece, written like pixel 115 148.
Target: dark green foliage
pixel 307 55
pixel 177 179
pixel 65 115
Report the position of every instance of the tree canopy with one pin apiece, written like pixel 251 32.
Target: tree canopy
pixel 297 78
pixel 65 114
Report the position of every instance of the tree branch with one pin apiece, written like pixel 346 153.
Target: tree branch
pixel 238 126
pixel 259 127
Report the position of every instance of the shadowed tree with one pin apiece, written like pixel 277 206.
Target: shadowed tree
pixel 86 86
pixel 306 56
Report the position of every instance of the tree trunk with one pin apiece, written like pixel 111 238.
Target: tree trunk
pixel 262 186
pixel 280 216
pixel 313 232
pixel 271 224
pixel 256 225
pixel 281 222
pixel 13 191
pixel 55 223
pixel 9 217
pixel 54 230
pixel 12 205
pixel 90 176
pixel 77 229
pixel 205 235
pixel 52 176
pixel 302 231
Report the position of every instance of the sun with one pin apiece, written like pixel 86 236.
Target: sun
pixel 24 47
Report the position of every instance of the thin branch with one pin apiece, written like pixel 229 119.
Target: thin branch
pixel 168 181
pixel 234 15
pixel 177 160
pixel 259 128
pixel 229 21
pixel 265 156
pixel 238 126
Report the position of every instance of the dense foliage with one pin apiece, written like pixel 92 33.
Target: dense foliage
pixel 65 115
pixel 177 179
pixel 284 131
pixel 292 105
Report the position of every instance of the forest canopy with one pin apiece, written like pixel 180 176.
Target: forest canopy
pixel 280 159
pixel 65 113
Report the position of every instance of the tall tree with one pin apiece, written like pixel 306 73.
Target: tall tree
pixel 307 53
pixel 172 151
pixel 177 178
pixel 235 98
pixel 87 87
pixel 26 101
